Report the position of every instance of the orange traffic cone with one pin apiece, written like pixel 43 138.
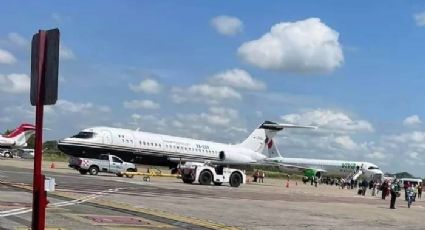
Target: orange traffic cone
pixel 287 184
pixel 52 166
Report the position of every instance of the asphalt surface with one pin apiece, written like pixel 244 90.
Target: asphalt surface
pixel 110 202
pixel 83 215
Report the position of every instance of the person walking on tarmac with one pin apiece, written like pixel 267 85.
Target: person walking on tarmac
pixel 395 192
pixel 384 188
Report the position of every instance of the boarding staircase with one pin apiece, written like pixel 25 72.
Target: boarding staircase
pixel 354 175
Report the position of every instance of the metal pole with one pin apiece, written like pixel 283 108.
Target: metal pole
pixel 39 195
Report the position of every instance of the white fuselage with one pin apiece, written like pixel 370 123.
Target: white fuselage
pixel 339 168
pixel 17 138
pixel 125 142
pixel 7 142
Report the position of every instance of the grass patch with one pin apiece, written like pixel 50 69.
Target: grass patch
pixel 277 175
pixel 55 156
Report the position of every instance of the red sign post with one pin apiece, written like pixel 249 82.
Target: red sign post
pixel 44 74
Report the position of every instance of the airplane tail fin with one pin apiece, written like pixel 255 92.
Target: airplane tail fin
pixel 272 150
pixel 21 134
pixel 263 136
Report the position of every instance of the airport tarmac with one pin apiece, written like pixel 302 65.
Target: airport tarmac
pixel 110 202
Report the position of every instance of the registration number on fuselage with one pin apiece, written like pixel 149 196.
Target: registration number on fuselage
pixel 348 165
pixel 202 146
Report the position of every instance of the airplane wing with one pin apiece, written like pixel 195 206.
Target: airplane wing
pixel 300 168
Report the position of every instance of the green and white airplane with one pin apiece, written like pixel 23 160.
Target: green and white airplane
pixel 318 167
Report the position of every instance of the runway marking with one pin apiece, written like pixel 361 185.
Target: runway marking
pixel 85 198
pixel 80 200
pixel 124 206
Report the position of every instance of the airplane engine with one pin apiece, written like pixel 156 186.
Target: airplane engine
pixel 231 157
pixel 312 172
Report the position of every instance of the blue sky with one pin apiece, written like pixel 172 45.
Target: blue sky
pixel 215 70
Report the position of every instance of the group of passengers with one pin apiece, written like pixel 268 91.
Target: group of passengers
pixel 392 188
pixel 340 182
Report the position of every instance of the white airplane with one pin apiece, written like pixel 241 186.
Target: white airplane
pixel 17 138
pixel 318 167
pixel 157 149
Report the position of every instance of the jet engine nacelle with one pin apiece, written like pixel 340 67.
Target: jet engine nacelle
pixel 310 173
pixel 234 157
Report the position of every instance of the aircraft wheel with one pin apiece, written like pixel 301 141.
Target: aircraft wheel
pixel 235 179
pixel 93 170
pixel 205 178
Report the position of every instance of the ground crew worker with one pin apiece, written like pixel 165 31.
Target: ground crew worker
pixel 395 191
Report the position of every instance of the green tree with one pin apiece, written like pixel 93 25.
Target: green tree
pixel 8 131
pixel 31 142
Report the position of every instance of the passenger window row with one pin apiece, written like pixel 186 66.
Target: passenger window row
pixel 153 144
pixel 149 143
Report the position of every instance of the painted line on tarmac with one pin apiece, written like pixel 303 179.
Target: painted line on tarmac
pixel 127 207
pixel 12 211
pixel 18 211
pixel 85 198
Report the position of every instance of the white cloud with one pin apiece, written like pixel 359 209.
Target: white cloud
pixel 17 39
pixel 412 120
pixel 136 116
pixel 66 106
pixel 204 93
pixel 420 19
pixel 376 155
pixel 177 124
pixel 227 25
pixel 346 142
pixel 218 123
pixel 328 119
pixel 104 108
pixel 216 116
pixel 66 53
pixel 6 57
pixel 412 137
pixel 15 83
pixel 147 86
pixel 141 104
pixel 302 46
pixel 413 155
pixel 74 107
pixel 22 110
pixel 148 120
pixel 237 78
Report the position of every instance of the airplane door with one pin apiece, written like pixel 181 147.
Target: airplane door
pixel 107 137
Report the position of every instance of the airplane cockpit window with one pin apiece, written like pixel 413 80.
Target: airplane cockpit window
pixel 84 135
